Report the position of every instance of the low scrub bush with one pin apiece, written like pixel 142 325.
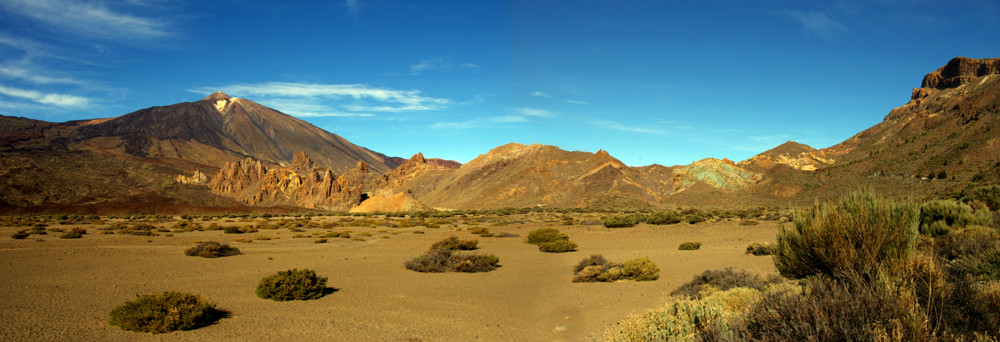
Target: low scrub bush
pixel 596 268
pixel 292 284
pixel 165 312
pixel 539 236
pixel 446 260
pixel 622 221
pixel 664 217
pixel 551 240
pixel 21 234
pixel 990 195
pixel 761 248
pixel 687 319
pixel 984 265
pixel 938 217
pixel 558 246
pixel 74 233
pixel 212 249
pixel 455 244
pixel 689 246
pixel 864 234
pixel 712 281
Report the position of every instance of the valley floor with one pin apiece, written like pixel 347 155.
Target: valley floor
pixel 63 289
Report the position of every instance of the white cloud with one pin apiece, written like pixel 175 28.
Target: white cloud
pixel 578 102
pixel 817 22
pixel 58 100
pixel 94 19
pixel 540 94
pixel 619 127
pixel 344 100
pixel 491 121
pixel 27 72
pixel 540 113
pixel 439 63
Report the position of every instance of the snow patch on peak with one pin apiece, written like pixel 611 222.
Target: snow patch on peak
pixel 221 104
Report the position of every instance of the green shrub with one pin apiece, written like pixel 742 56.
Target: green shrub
pixel 695 219
pixel 685 319
pixel 597 269
pixel 558 246
pixel 292 284
pixel 937 217
pixel 864 235
pixel 987 194
pixel 165 312
pixel 836 310
pixel 689 246
pixel 445 260
pixel 539 236
pixel 984 265
pixel 622 221
pixel 712 281
pixel 21 234
pixel 664 217
pixel 641 269
pixel 761 248
pixel 74 233
pixel 453 243
pixel 320 240
pixel 212 249
pixel 749 223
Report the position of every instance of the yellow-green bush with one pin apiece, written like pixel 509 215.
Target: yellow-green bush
pixel 165 312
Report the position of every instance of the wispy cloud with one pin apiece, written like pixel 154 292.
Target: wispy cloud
pixel 352 7
pixel 818 23
pixel 631 129
pixel 540 94
pixel 539 113
pixel 578 102
pixel 439 63
pixel 91 19
pixel 491 121
pixel 26 71
pixel 311 99
pixel 58 100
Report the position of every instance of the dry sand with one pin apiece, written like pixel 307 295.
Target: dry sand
pixel 63 289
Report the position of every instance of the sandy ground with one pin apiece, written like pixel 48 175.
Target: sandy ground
pixel 62 289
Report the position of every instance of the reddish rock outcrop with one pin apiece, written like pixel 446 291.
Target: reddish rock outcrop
pixel 959 71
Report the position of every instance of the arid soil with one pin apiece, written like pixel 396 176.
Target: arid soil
pixel 62 289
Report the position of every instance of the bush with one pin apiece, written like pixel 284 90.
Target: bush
pixel 865 234
pixel 292 284
pixel 543 235
pixel 558 246
pixel 74 233
pixel 597 269
pixel 985 265
pixel 444 260
pixel 938 217
pixel 21 234
pixel 641 269
pixel 689 246
pixel 622 221
pixel 453 243
pixel 761 248
pixel 664 217
pixel 684 319
pixel 987 194
pixel 836 310
pixel 165 312
pixel 712 281
pixel 212 249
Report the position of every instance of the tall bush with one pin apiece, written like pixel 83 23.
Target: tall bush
pixel 863 235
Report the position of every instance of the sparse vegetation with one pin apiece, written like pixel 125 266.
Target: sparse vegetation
pixel 74 233
pixel 623 221
pixel 212 249
pixel 596 268
pixel 442 258
pixel 21 234
pixel 689 246
pixel 292 284
pixel 761 248
pixel 551 240
pixel 165 312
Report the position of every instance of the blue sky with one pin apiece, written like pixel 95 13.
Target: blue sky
pixel 665 82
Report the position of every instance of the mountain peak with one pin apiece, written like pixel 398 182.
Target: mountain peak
pixel 217 96
pixel 959 71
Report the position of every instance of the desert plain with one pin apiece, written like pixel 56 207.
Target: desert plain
pixel 63 289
